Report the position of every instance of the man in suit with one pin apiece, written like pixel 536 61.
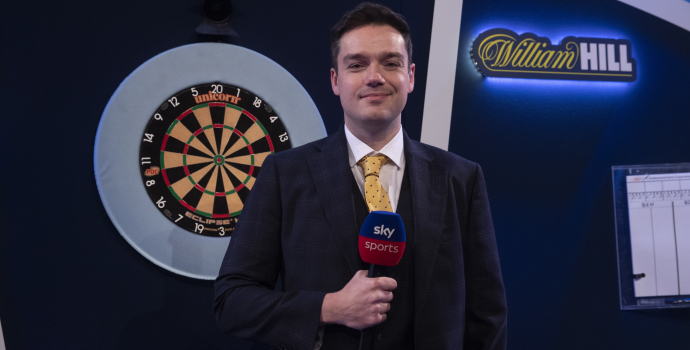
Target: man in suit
pixel 302 219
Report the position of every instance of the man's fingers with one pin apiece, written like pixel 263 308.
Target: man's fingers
pixel 378 296
pixel 382 308
pixel 386 283
pixel 362 273
pixel 382 296
pixel 383 283
pixel 362 303
pixel 385 307
pixel 388 296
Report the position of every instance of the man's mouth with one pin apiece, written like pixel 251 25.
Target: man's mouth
pixel 375 95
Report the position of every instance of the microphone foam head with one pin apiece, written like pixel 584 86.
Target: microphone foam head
pixel 382 238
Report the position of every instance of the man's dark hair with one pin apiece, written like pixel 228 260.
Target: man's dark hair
pixel 366 14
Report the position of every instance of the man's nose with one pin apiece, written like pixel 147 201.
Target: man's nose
pixel 374 77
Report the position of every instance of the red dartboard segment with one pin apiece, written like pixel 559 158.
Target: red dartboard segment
pixel 192 209
pixel 251 171
pixel 216 104
pixel 184 114
pixel 249 115
pixel 165 177
pixel 220 216
pixel 165 141
pixel 270 144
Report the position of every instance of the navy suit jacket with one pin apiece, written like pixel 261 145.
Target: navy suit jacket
pixel 299 223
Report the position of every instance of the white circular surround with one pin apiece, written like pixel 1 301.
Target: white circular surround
pixel 129 110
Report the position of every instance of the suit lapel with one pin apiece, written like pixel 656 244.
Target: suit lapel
pixel 330 170
pixel 428 182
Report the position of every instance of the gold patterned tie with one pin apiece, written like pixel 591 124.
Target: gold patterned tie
pixel 376 197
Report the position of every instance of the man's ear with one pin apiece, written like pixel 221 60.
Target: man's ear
pixel 410 86
pixel 334 82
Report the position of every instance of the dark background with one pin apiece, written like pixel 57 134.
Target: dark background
pixel 547 148
pixel 68 280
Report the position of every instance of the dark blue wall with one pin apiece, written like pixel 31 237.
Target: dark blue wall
pixel 68 280
pixel 547 148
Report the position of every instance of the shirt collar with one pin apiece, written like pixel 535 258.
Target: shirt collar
pixel 358 149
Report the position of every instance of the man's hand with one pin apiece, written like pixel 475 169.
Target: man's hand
pixel 362 303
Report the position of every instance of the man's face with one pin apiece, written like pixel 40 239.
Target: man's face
pixel 373 77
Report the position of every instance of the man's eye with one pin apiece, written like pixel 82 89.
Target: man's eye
pixel 393 64
pixel 355 66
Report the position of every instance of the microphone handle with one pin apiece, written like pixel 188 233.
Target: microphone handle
pixel 377 271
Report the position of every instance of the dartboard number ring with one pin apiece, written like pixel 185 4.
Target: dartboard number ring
pixel 201 152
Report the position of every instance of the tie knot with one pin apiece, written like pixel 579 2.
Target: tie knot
pixel 372 164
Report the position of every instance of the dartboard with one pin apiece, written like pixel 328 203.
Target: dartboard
pixel 180 146
pixel 202 151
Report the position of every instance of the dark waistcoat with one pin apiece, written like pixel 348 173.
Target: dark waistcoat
pixel 397 331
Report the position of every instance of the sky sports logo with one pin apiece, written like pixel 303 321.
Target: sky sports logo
pixel 382 230
pixel 386 232
pixel 382 239
pixel 380 252
pixel 381 247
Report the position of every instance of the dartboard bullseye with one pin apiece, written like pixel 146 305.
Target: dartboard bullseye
pixel 202 151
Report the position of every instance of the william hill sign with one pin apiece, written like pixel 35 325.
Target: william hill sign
pixel 502 53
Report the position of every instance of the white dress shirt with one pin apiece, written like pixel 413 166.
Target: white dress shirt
pixel 391 173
